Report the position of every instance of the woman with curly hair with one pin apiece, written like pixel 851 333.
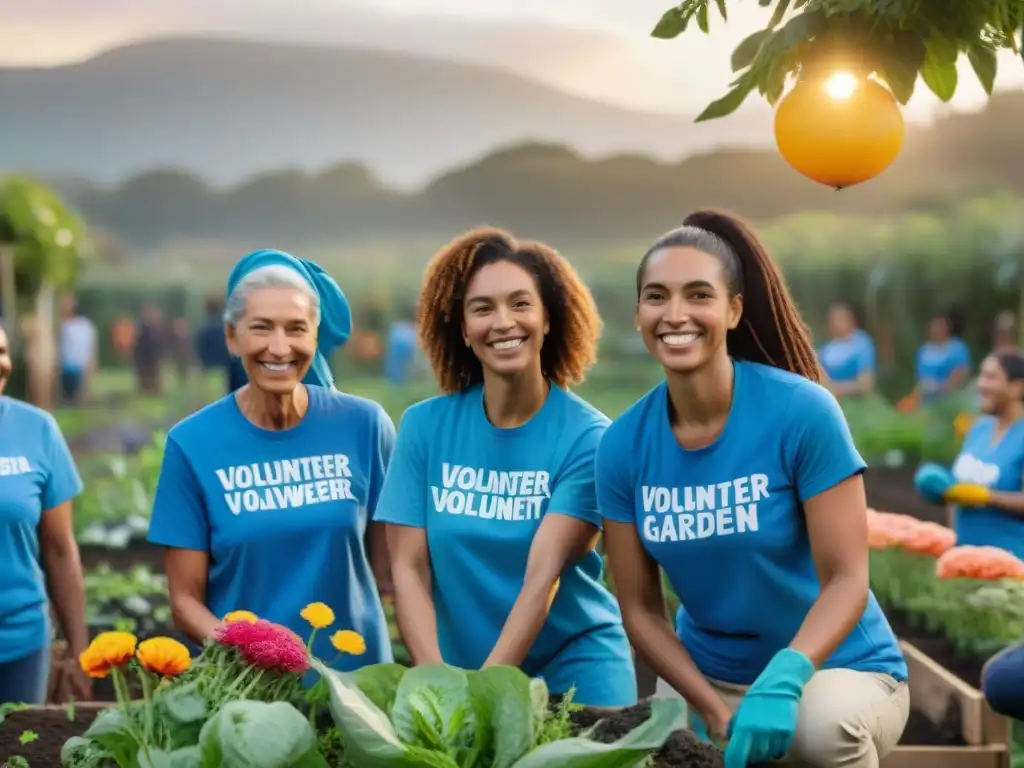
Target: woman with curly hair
pixel 489 500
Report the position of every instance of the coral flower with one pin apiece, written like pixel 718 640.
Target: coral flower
pixel 266 646
pixel 983 563
pixel 236 616
pixel 347 641
pixel 107 651
pixel 319 615
pixel 163 656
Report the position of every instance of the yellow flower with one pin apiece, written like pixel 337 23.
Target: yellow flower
pixel 235 616
pixel 962 423
pixel 163 656
pixel 319 615
pixel 107 651
pixel 347 641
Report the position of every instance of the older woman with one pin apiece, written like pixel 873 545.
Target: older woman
pixel 38 481
pixel 265 496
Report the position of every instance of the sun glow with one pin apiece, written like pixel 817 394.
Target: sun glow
pixel 841 86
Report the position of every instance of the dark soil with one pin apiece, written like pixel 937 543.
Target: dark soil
pixel 921 731
pixel 892 490
pixel 967 668
pixel 682 750
pixel 52 726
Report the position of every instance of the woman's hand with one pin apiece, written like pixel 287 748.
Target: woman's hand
pixel 68 683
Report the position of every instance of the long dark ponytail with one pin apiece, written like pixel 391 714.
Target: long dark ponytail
pixel 771 330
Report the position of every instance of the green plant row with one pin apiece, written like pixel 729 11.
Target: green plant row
pixel 978 617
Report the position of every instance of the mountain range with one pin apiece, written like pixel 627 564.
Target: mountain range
pixel 228 109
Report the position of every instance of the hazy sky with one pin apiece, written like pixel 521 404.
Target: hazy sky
pixel 599 48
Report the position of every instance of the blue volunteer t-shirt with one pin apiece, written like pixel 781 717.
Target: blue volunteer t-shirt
pixel 726 521
pixel 1000 467
pixel 481 492
pixel 282 514
pixel 936 363
pixel 37 474
pixel 844 360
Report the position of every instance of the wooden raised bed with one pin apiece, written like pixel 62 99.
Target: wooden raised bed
pixel 936 693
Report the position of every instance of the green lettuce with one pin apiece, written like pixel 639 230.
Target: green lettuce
pixel 436 716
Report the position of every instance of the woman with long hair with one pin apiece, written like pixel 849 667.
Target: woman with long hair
pixel 738 476
pixel 489 499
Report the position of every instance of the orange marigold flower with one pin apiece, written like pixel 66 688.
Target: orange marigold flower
pixel 107 651
pixel 163 656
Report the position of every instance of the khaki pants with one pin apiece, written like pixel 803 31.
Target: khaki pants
pixel 847 719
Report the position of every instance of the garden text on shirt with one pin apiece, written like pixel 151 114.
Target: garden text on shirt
pixel 285 522
pixel 480 493
pixel 726 521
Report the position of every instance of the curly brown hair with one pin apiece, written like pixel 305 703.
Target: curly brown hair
pixel 771 330
pixel 570 347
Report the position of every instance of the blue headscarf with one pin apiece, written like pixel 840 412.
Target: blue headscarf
pixel 335 314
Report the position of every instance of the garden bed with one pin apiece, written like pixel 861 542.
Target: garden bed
pixel 937 648
pixel 55 725
pixel 50 726
pixel 951 725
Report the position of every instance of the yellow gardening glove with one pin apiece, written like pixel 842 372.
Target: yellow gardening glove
pixel 968 494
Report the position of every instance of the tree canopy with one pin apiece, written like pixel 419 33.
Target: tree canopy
pixel 896 41
pixel 48 237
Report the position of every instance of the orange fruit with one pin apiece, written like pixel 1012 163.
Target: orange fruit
pixel 839 130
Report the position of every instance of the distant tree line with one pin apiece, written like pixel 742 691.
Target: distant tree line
pixel 551 192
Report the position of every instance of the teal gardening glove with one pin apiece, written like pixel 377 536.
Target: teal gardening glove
pixel 762 728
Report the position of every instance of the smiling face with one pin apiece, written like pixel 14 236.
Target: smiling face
pixel 504 320
pixel 685 309
pixel 275 338
pixel 996 391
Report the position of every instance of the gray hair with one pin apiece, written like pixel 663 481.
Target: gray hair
pixel 271 276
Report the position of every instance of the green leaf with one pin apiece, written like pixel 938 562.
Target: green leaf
pixel 983 60
pixel 540 696
pixel 800 29
pixel 112 731
pixel 501 696
pixel 939 71
pixel 667 716
pixel 702 17
pixel 780 11
pixel 744 53
pixel 380 683
pixel 186 757
pixel 672 24
pixel 432 701
pixel 725 105
pixel 369 737
pixel 257 734
pixel 184 704
pixel 721 10
pixel 901 63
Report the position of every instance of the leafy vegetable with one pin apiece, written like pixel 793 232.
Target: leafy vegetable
pixel 442 717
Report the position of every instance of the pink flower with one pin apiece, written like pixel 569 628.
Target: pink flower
pixel 266 646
